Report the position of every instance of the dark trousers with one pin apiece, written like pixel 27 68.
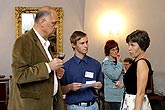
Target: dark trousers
pixel 114 105
pixel 55 102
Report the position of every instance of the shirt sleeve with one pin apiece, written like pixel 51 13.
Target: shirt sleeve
pixel 48 67
pixel 112 70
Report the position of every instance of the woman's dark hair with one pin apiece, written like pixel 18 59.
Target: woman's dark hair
pixel 141 37
pixel 109 45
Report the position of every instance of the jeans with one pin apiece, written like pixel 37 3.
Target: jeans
pixel 114 105
pixel 76 107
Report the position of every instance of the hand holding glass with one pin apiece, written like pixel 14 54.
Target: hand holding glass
pixel 60 55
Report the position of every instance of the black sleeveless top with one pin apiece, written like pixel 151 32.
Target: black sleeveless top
pixel 130 77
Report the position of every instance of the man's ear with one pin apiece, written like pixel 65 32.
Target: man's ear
pixel 42 21
pixel 73 46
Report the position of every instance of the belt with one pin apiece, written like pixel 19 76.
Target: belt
pixel 85 104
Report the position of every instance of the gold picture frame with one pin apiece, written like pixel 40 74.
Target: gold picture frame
pixel 19 11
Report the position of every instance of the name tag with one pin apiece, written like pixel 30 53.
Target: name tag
pixel 89 74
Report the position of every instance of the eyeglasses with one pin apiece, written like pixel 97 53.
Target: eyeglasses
pixel 55 22
pixel 114 49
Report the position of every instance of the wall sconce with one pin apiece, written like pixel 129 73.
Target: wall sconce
pixel 111 24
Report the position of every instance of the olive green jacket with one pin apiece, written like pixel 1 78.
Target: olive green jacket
pixel 31 86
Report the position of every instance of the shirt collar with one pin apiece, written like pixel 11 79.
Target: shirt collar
pixel 107 58
pixel 42 40
pixel 78 60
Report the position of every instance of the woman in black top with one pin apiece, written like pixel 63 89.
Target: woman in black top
pixel 131 76
pixel 136 78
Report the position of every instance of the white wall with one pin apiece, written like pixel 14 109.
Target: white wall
pixel 73 20
pixel 138 14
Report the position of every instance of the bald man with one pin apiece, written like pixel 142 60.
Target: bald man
pixel 35 73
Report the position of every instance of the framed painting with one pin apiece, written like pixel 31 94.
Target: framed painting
pixel 24 20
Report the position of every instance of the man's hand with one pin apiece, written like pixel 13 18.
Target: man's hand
pixel 75 86
pixel 55 63
pixel 97 85
pixel 60 72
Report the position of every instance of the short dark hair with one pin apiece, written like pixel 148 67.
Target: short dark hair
pixel 127 59
pixel 141 37
pixel 109 45
pixel 41 14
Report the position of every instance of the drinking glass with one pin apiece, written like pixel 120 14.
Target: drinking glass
pixel 60 55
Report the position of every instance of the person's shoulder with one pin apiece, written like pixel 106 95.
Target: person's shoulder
pixel 69 61
pixel 92 59
pixel 143 60
pixel 106 59
pixel 27 36
pixel 22 40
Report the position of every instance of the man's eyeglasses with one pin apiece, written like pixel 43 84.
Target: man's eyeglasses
pixel 55 22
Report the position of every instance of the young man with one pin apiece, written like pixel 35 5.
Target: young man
pixel 82 76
